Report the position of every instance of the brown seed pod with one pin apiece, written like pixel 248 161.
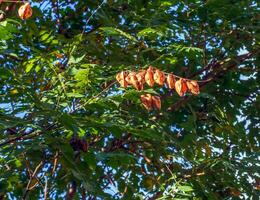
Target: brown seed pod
pixel 193 87
pixel 147 101
pixel 121 78
pixel 25 11
pixel 156 102
pixel 141 78
pixel 149 77
pixel 159 77
pixel 170 81
pixel 132 80
pixel 181 87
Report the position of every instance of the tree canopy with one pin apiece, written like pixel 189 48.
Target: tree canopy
pixel 68 130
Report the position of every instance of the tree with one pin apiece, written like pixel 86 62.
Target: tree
pixel 68 130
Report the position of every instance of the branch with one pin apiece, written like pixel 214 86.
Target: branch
pixel 32 177
pixel 27 135
pixel 46 188
pixel 212 76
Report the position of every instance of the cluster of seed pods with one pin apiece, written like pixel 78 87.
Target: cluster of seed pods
pixel 153 76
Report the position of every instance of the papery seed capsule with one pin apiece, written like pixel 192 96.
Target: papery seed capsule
pixel 156 102
pixel 149 77
pixel 132 80
pixel 128 78
pixel 121 78
pixel 141 80
pixel 193 87
pixel 135 82
pixel 159 77
pixel 147 101
pixel 141 76
pixel 170 81
pixel 181 87
pixel 25 11
pixel 118 76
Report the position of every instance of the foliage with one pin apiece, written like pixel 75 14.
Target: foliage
pixel 67 130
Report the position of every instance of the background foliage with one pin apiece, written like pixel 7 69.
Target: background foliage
pixel 67 131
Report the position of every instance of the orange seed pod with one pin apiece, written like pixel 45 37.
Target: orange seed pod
pixel 156 102
pixel 159 77
pixel 147 101
pixel 25 11
pixel 193 87
pixel 149 77
pixel 170 81
pixel 121 78
pixel 181 87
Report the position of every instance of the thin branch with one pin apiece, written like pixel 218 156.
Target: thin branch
pixel 92 15
pixel 32 177
pixel 96 96
pixel 55 162
pixel 46 188
pixel 27 135
pixel 212 76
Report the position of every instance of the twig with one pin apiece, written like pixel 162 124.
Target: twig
pixel 23 136
pixel 33 176
pixel 202 81
pixel 96 96
pixel 55 162
pixel 93 13
pixel 46 188
pixel 213 75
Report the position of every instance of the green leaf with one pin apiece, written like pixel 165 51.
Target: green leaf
pixel 149 32
pixel 185 188
pixel 76 60
pixel 116 31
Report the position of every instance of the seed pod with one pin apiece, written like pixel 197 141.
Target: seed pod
pixel 132 80
pixel 149 77
pixel 181 87
pixel 121 78
pixel 193 87
pixel 147 101
pixel 25 11
pixel 156 102
pixel 170 81
pixel 159 77
pixel 141 78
